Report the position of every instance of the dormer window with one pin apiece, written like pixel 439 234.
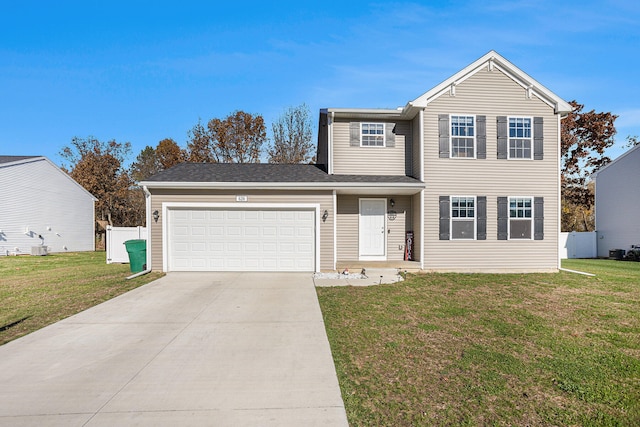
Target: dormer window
pixel 372 134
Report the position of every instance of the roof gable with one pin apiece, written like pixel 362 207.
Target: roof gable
pixel 617 160
pixel 10 161
pixel 493 60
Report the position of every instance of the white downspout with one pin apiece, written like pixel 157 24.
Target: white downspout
pixel 559 165
pixel 147 196
pixel 335 230
pixel 422 238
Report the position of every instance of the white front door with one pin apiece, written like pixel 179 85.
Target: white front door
pixel 372 230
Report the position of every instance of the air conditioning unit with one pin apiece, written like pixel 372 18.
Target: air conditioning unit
pixel 39 250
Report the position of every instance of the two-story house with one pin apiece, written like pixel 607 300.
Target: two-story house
pixel 465 177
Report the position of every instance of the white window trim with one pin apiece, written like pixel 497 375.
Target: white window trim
pixel 384 134
pixel 509 139
pixel 475 134
pixel 475 217
pixel 533 215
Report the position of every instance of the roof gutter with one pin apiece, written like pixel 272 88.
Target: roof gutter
pixel 279 185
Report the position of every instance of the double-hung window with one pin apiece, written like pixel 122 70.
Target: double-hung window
pixel 520 138
pixel 463 217
pixel 520 217
pixel 372 134
pixel 463 137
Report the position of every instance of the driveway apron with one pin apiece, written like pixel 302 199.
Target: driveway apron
pixel 218 349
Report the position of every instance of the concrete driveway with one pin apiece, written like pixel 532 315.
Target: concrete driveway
pixel 212 349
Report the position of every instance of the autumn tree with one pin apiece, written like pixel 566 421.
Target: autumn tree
pixel 585 135
pixel 632 141
pixel 97 166
pixel 292 137
pixel 145 165
pixel 153 160
pixel 238 138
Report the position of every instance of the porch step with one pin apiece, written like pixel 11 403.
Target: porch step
pixel 411 266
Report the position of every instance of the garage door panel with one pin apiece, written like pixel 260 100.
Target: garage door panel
pixel 241 240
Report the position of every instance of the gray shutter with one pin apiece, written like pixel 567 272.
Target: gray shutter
pixel 481 218
pixel 538 138
pixel 503 132
pixel 503 218
pixel 538 218
pixel 354 134
pixel 444 217
pixel 481 137
pixel 443 132
pixel 389 135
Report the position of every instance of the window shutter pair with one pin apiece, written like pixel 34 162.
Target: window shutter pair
pixel 481 218
pixel 503 138
pixel 389 134
pixel 538 218
pixel 443 136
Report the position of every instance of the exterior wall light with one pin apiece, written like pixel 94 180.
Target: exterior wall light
pixel 156 215
pixel 325 215
pixel 392 202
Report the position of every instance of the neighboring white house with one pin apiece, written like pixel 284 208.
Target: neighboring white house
pixel 618 203
pixel 40 205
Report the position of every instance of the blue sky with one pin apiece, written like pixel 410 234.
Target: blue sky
pixel 145 71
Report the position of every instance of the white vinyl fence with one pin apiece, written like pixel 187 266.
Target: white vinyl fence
pixel 578 245
pixel 116 236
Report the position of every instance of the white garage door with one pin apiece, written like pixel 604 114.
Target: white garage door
pixel 241 240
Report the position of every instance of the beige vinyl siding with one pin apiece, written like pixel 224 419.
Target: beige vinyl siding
pixel 347 226
pixel 324 198
pixel 349 160
pixel 415 221
pixel 415 127
pixel 491 93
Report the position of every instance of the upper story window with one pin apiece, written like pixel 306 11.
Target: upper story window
pixel 520 138
pixel 463 217
pixel 463 136
pixel 520 217
pixel 372 134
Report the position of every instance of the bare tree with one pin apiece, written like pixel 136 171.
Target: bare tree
pixel 292 137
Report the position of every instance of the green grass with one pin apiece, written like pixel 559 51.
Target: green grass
pixel 38 291
pixel 482 349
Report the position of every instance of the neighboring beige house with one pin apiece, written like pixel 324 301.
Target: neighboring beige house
pixel 469 170
pixel 41 207
pixel 618 203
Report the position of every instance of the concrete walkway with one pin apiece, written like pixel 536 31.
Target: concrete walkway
pixel 214 349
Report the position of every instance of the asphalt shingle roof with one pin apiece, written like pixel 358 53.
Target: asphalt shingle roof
pixel 10 159
pixel 266 173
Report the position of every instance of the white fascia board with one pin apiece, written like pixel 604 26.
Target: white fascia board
pixel 496 60
pixel 378 113
pixel 277 185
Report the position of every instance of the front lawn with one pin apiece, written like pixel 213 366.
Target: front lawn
pixel 481 349
pixel 37 291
